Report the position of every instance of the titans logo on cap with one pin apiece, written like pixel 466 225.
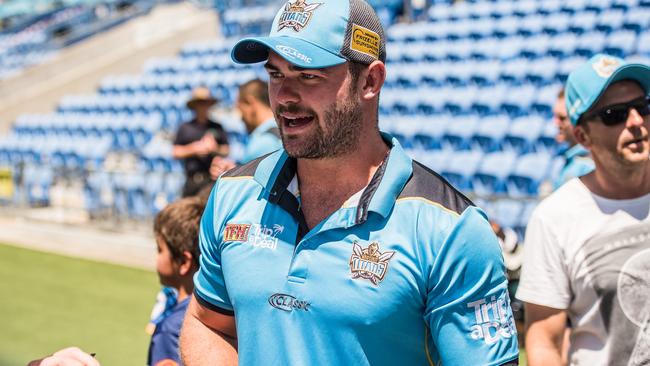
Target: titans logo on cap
pixel 296 15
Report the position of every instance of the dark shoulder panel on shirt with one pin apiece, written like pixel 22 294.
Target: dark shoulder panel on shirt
pixel 429 185
pixel 245 170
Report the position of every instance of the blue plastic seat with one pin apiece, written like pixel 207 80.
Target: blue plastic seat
pixel 583 22
pixel 590 43
pixel 459 132
pixel 536 46
pixel 461 168
pixel 490 177
pixel 637 19
pixel 556 24
pixel 490 132
pixel 563 45
pixel 523 133
pixel 528 173
pixel 610 20
pixel 519 100
pixel 507 212
pixel 621 43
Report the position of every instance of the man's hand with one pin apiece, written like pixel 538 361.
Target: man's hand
pixel 219 166
pixel 71 356
pixel 206 145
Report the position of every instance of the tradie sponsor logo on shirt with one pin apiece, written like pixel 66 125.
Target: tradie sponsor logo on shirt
pixel 236 232
pixel 493 320
pixel 369 263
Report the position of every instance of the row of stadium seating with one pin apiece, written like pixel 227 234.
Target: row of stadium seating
pixel 473 106
pixel 42 29
pixel 562 45
pixel 526 8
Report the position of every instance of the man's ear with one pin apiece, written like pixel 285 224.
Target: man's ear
pixel 187 263
pixel 581 135
pixel 373 79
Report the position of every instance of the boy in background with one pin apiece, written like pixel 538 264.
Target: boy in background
pixel 176 230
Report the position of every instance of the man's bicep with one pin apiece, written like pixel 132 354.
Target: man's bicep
pixel 468 309
pixel 221 322
pixel 546 322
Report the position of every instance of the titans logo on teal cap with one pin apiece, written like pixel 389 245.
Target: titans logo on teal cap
pixel 588 82
pixel 318 33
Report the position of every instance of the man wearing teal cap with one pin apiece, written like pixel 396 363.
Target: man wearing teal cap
pixel 339 249
pixel 587 251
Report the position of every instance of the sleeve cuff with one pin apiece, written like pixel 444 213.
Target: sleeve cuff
pixel 211 306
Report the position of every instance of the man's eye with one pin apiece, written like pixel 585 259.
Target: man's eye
pixel 275 75
pixel 309 76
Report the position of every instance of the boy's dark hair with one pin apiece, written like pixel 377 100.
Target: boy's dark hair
pixel 178 226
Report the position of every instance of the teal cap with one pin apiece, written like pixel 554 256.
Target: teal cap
pixel 317 34
pixel 588 82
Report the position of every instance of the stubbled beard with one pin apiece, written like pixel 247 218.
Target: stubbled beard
pixel 343 122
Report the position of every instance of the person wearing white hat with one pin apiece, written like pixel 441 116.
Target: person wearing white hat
pixel 199 141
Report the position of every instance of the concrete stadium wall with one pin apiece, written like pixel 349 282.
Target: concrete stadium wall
pixel 123 50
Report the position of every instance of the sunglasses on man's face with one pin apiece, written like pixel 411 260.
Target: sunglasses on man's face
pixel 617 113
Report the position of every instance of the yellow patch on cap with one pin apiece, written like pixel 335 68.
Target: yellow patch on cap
pixel 365 41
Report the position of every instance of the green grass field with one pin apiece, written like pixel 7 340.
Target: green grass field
pixel 49 302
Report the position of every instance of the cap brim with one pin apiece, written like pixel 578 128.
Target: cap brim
pixel 295 50
pixel 637 72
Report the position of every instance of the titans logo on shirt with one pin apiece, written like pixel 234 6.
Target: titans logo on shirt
pixel 369 263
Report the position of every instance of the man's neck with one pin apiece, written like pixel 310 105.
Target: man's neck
pixel 262 117
pixel 325 184
pixel 623 183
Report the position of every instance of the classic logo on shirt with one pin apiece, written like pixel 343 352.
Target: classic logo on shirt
pixel 288 303
pixel 236 232
pixel 297 15
pixel 369 263
pixel 493 320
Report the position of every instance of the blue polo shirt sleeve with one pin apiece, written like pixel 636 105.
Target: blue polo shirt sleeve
pixel 467 306
pixel 209 284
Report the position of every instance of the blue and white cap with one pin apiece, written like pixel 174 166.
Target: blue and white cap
pixel 319 33
pixel 588 82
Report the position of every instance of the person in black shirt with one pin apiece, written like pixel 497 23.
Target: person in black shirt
pixel 199 141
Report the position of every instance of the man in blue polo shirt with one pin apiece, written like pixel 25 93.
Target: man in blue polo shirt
pixel 339 249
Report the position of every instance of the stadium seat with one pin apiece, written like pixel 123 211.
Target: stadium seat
pixel 583 22
pixel 523 134
pixel 610 20
pixel 461 168
pixel 490 133
pixel 637 20
pixel 590 43
pixel 621 43
pixel 490 177
pixel 527 175
pixel 507 212
pixel 459 132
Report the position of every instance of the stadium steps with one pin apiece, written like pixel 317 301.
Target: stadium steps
pixel 161 33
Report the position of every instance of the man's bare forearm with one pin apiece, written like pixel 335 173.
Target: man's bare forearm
pixel 543 355
pixel 201 345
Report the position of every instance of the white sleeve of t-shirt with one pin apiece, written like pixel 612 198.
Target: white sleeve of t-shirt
pixel 544 278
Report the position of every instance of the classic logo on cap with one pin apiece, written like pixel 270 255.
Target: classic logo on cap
pixel 296 15
pixel 606 66
pixel 293 53
pixel 369 263
pixel 365 41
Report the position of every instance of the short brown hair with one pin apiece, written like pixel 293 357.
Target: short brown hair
pixel 178 226
pixel 256 88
